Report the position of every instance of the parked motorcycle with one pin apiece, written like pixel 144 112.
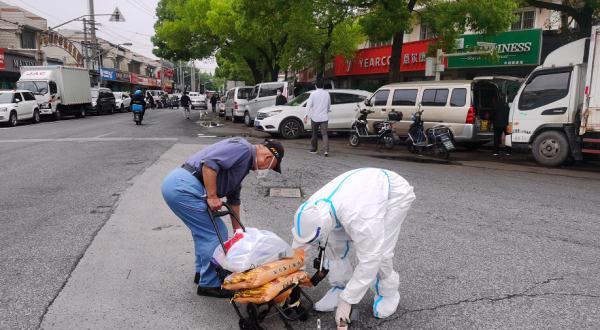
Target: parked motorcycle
pixel 137 110
pixel 437 139
pixel 384 134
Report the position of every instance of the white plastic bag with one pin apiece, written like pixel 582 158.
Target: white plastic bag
pixel 250 249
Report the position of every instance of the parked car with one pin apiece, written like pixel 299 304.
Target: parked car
pixel 198 100
pixel 288 120
pixel 103 101
pixel 18 105
pixel 235 102
pixel 464 106
pixel 263 96
pixel 122 101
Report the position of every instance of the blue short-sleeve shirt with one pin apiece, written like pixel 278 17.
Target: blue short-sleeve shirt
pixel 232 159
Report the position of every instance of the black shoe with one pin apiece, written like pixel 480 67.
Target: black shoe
pixel 197 278
pixel 214 292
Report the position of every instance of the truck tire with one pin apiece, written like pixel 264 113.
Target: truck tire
pixel 58 115
pixel 81 113
pixel 550 148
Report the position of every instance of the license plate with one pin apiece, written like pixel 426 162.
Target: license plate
pixel 257 123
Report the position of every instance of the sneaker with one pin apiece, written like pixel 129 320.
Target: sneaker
pixel 214 292
pixel 326 154
pixel 312 151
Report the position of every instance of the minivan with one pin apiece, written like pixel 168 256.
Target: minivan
pixel 103 101
pixel 263 95
pixel 235 101
pixel 464 106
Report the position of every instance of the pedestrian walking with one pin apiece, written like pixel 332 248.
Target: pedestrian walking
pixel 185 103
pixel 318 107
pixel 500 121
pixel 280 100
pixel 213 102
pixel 196 187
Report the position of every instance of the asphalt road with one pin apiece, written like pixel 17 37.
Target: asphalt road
pixel 485 246
pixel 60 183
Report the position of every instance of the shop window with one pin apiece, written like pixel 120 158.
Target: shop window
pixel 381 97
pixel 435 97
pixel 28 39
pixel 404 97
pixel 544 89
pixel 459 97
pixel 524 20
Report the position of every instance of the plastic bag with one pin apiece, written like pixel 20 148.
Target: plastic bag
pixel 250 249
pixel 256 277
pixel 269 291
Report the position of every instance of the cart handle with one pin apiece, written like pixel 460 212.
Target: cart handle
pixel 219 213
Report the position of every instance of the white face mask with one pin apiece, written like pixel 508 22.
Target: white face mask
pixel 263 173
pixel 278 93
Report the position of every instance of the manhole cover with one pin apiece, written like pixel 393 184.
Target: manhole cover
pixel 285 192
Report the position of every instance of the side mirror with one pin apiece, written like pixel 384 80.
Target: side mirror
pixel 17 100
pixel 368 102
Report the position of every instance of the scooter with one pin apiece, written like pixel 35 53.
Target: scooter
pixel 385 133
pixel 437 139
pixel 137 110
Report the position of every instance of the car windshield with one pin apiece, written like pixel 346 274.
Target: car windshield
pixel 36 87
pixel 6 97
pixel 298 100
pixel 244 93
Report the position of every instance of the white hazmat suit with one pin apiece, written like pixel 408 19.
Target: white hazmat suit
pixel 361 209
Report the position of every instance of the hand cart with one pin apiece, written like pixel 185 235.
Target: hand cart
pixel 295 307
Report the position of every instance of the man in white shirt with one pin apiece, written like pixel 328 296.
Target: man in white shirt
pixel 317 109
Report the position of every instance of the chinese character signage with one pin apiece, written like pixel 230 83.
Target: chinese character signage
pixel 514 48
pixel 377 60
pixel 2 66
pixel 108 74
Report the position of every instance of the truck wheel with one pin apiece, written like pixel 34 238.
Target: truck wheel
pixel 290 128
pixel 58 114
pixel 550 148
pixel 36 116
pixel 247 119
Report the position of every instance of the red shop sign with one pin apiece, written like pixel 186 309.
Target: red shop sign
pixel 377 60
pixel 2 65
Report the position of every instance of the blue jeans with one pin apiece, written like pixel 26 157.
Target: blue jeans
pixel 186 197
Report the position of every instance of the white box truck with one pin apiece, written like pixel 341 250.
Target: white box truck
pixel 59 90
pixel 556 113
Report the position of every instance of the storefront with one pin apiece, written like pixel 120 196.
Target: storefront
pixel 10 67
pixel 144 83
pixel 369 68
pixel 115 80
pixel 518 53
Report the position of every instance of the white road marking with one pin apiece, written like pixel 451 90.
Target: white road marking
pixel 103 135
pixel 200 135
pixel 94 139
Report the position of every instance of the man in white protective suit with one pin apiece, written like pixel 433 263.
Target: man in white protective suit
pixel 362 209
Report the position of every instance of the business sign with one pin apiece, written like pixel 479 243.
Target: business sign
pixel 144 81
pixel 14 62
pixel 108 74
pixel 377 60
pixel 514 48
pixel 123 76
pixel 55 39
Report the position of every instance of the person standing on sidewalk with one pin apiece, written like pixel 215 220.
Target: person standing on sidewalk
pixel 196 188
pixel 500 121
pixel 280 99
pixel 318 107
pixel 213 102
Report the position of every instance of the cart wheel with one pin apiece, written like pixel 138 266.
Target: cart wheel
pixel 246 324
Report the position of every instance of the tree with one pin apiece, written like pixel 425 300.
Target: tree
pixel 584 12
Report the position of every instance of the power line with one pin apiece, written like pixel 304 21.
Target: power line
pixel 27 4
pixel 144 10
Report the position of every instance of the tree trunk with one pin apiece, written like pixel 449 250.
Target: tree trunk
pixel 584 21
pixel 256 72
pixel 397 43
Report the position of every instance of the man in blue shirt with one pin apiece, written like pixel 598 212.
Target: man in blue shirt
pixel 199 184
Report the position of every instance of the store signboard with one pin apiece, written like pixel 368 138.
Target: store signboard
pixel 123 76
pixel 514 48
pixel 108 74
pixel 377 60
pixel 2 66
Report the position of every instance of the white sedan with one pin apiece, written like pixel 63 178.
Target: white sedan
pixel 122 100
pixel 287 120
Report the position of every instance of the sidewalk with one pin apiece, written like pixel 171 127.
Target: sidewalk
pixel 138 271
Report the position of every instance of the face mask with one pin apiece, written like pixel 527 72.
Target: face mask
pixel 278 93
pixel 263 173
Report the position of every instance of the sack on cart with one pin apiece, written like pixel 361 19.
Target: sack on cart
pixel 256 277
pixel 269 291
pixel 250 249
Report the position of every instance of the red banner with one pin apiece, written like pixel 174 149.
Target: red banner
pixel 144 81
pixel 2 65
pixel 377 60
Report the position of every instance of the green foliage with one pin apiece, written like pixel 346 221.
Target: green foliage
pixel 384 18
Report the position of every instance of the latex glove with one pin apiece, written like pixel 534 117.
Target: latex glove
pixel 342 313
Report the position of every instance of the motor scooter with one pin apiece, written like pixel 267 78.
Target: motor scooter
pixel 137 110
pixel 385 133
pixel 437 139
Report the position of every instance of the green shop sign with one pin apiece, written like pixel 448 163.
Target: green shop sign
pixel 514 48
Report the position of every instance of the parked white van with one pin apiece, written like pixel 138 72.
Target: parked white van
pixel 235 102
pixel 464 106
pixel 263 96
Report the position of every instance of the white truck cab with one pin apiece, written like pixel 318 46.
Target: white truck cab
pixel 545 116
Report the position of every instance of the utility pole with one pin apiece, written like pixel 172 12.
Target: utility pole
pixel 86 55
pixel 94 49
pixel 193 77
